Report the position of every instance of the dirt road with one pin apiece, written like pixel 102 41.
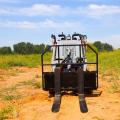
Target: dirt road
pixel 36 104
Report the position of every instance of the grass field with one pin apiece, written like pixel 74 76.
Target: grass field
pixel 107 60
pixel 7 61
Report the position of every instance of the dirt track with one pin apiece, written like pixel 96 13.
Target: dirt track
pixel 36 105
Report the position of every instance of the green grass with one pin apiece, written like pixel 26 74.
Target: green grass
pixel 8 111
pixel 7 61
pixel 107 60
pixel 110 61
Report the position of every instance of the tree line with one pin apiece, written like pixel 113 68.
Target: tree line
pixel 29 48
pixel 24 48
pixel 103 46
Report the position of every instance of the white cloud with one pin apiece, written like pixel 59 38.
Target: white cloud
pixel 102 10
pixel 92 10
pixel 41 9
pixel 96 11
pixel 36 25
pixel 37 10
pixel 66 24
pixel 14 24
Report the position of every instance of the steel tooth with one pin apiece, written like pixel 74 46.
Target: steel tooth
pixel 82 104
pixel 57 99
pixel 56 104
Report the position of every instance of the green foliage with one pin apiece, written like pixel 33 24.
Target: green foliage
pixel 5 50
pixel 28 48
pixel 6 112
pixel 107 47
pixel 110 60
pixel 103 46
pixel 107 60
pixel 39 48
pixel 7 61
pixel 23 48
pixel 98 45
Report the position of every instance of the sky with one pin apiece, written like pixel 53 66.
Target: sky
pixel 35 20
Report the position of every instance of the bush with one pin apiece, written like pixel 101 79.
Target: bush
pixel 28 48
pixel 39 48
pixel 107 47
pixel 5 50
pixel 103 46
pixel 98 45
pixel 23 48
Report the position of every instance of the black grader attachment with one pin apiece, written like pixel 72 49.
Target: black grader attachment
pixel 69 69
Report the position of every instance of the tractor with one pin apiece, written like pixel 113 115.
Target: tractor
pixel 69 69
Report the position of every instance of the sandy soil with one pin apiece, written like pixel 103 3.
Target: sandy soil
pixel 37 104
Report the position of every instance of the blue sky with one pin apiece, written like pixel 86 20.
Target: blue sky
pixel 35 20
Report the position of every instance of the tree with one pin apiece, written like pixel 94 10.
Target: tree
pixel 23 48
pixel 98 45
pixel 29 48
pixel 39 48
pixel 42 48
pixel 103 46
pixel 5 50
pixel 107 47
pixel 19 48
